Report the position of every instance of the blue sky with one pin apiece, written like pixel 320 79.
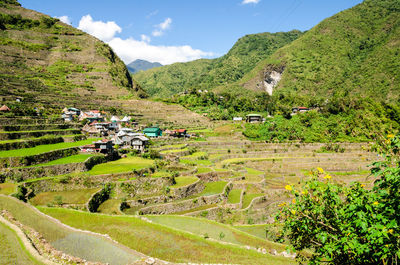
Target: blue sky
pixel 181 30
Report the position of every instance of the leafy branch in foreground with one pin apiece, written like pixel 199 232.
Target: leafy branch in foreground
pixel 348 224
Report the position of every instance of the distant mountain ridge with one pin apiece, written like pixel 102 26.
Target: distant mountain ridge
pixel 141 65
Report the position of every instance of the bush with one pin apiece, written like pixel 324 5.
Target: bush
pixel 348 224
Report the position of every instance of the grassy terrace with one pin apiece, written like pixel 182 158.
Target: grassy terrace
pixel 7 188
pixel 255 230
pixel 44 148
pixel 200 208
pixel 123 165
pixel 162 242
pixel 12 249
pixel 79 158
pixel 67 197
pixel 247 198
pixel 174 151
pixel 234 196
pixel 212 229
pixel 65 239
pixel 184 181
pixel 240 160
pixel 213 188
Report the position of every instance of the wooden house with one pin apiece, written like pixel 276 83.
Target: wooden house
pixel 139 142
pixel 4 108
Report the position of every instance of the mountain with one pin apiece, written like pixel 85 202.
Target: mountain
pixel 141 65
pixel 211 73
pixel 48 62
pixel 355 53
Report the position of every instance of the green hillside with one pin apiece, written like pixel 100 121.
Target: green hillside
pixel 208 74
pixel 46 61
pixel 354 53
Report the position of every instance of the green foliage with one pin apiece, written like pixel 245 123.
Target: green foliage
pixel 348 224
pixel 362 120
pixel 100 197
pixel 355 52
pixel 208 74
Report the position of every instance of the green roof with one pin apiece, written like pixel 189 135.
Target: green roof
pixel 151 130
pixel 254 115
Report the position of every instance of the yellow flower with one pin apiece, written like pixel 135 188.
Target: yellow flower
pixel 390 136
pixel 320 170
pixel 362 185
pixel 390 231
pixel 387 141
pixel 294 200
pixel 375 203
pixel 304 192
pixel 293 212
pixel 288 187
pixel 327 176
pixel 282 204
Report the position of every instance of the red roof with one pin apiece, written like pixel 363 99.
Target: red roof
pixel 302 108
pixel 181 130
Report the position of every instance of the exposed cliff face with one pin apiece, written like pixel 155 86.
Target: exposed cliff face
pixel 44 60
pixel 355 52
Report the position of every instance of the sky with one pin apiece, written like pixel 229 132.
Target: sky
pixel 169 31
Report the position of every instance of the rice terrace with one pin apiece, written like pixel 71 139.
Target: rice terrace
pixel 182 146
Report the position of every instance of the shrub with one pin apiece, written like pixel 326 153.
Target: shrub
pixel 348 224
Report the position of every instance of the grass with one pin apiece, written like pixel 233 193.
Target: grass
pixel 44 148
pixel 195 155
pixel 201 170
pixel 239 160
pixel 161 174
pixel 66 160
pixel 200 208
pixel 214 230
pixel 13 250
pixel 196 162
pixel 212 188
pixel 64 239
pixel 174 151
pixel 184 181
pixel 173 146
pixel 123 165
pixel 160 241
pixel 110 206
pixel 255 230
pixel 68 197
pixel 247 198
pixel 253 171
pixel 7 188
pixel 234 196
pixel 55 130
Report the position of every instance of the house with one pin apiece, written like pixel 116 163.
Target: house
pixel 126 119
pixel 115 119
pixel 91 129
pixel 91 116
pixel 104 146
pixel 139 142
pixel 124 136
pixel 296 110
pixel 251 118
pixel 4 108
pixel 70 113
pixel 237 118
pixel 181 133
pixel 152 132
pixel 89 148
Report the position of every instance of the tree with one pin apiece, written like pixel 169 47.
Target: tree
pixel 348 224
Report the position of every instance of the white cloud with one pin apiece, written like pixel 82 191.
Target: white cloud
pixel 145 38
pixel 245 2
pixel 155 12
pixel 65 19
pixel 102 30
pixel 162 27
pixel 131 49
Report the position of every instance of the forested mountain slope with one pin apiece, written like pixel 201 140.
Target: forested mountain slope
pixel 353 53
pixel 210 73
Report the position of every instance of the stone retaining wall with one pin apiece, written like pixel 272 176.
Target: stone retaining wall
pixel 37 159
pixel 19 135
